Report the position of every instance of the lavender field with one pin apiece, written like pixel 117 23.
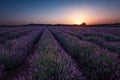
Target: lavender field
pixel 60 53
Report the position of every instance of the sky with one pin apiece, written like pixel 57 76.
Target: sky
pixel 59 11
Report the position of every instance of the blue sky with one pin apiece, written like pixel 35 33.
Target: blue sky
pixel 59 11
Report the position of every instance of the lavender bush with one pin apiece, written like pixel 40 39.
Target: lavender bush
pixel 86 52
pixel 15 34
pixel 51 63
pixel 14 54
pixel 103 40
pixel 91 53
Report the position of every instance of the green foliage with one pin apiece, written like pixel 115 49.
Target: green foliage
pixel 48 68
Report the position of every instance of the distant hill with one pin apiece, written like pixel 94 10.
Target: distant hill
pixel 84 25
pixel 105 25
pixel 49 25
pixel 67 25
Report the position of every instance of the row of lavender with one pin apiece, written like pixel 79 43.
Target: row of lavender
pixel 14 33
pixel 97 63
pixel 95 32
pixel 102 39
pixel 50 62
pixel 112 30
pixel 13 53
pixel 5 31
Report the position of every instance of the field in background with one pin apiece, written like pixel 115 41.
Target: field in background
pixel 60 53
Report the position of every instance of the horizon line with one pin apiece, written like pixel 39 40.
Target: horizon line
pixel 53 24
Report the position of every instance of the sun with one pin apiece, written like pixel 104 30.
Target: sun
pixel 78 22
